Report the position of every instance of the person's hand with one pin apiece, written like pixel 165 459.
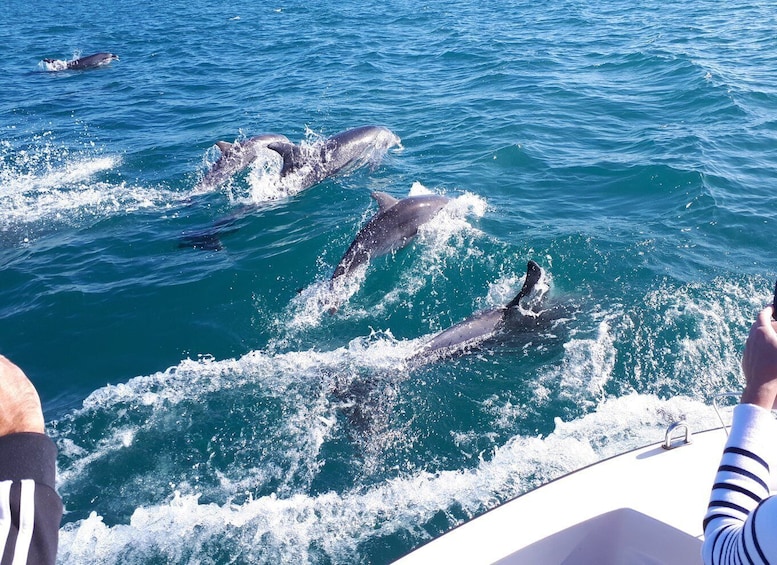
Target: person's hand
pixel 20 409
pixel 759 362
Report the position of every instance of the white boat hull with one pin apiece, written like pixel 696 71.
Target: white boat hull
pixel 642 507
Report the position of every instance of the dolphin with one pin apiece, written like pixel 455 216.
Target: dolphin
pixel 83 63
pixel 480 325
pixel 394 225
pixel 234 158
pixel 345 151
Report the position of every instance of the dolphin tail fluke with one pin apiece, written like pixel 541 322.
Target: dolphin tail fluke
pixel 533 274
pixel 291 155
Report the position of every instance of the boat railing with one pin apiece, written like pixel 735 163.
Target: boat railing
pixel 716 404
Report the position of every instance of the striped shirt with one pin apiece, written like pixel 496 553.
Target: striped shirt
pixel 741 521
pixel 30 509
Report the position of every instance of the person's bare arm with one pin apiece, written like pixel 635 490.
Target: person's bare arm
pixel 20 408
pixel 30 508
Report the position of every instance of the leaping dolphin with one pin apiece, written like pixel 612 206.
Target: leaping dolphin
pixel 394 225
pixel 83 63
pixel 234 158
pixel 343 152
pixel 481 325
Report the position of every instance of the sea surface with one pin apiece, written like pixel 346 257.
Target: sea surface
pixel 209 410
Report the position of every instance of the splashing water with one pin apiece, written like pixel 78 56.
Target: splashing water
pixel 49 184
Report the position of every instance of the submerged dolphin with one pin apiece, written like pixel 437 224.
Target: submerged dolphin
pixel 89 62
pixel 234 158
pixel 391 228
pixel 345 151
pixel 481 325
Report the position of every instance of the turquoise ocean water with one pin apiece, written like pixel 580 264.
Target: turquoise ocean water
pixel 196 396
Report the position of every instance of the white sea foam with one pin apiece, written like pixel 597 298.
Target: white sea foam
pixel 57 64
pixel 586 368
pixel 50 184
pixel 53 65
pixel 321 299
pixel 706 326
pixel 45 166
pixel 688 339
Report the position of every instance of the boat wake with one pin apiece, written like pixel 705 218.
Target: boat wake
pixel 254 488
pixel 265 455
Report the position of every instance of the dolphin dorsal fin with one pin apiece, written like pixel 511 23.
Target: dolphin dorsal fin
pixel 225 146
pixel 533 274
pixel 292 158
pixel 385 201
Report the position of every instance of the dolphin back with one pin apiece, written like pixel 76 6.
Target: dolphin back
pixel 481 325
pixel 96 60
pixel 394 225
pixel 354 148
pixel 362 134
pixel 341 153
pixel 470 332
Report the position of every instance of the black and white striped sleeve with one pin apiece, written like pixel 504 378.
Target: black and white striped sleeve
pixel 741 518
pixel 30 508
